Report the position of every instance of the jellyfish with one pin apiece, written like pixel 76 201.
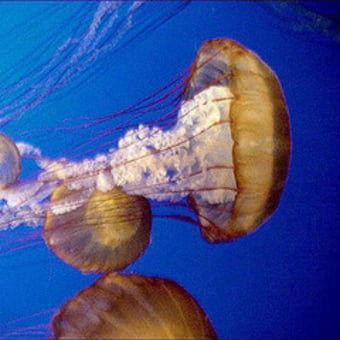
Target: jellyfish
pixel 132 306
pixel 227 154
pixel 314 20
pixel 107 233
pixel 9 161
pixel 257 133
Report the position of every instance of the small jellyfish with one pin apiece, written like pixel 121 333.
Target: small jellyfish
pixel 132 306
pixel 107 233
pixel 9 161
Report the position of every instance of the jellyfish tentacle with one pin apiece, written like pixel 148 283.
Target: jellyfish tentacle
pixel 160 165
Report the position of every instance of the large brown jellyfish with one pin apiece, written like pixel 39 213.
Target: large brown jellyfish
pixel 227 154
pixel 132 307
pixel 257 134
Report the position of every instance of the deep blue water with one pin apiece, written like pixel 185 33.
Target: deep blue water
pixel 280 282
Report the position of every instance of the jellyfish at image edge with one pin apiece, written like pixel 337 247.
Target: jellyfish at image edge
pixel 10 163
pixel 227 155
pixel 316 20
pixel 132 306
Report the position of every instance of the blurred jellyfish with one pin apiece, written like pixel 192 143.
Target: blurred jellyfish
pixel 313 19
pixel 227 154
pixel 134 307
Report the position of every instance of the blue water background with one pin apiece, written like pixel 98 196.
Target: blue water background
pixel 280 282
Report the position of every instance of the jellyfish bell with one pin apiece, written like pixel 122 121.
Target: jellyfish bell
pixel 255 151
pixel 10 162
pixel 106 233
pixel 132 306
